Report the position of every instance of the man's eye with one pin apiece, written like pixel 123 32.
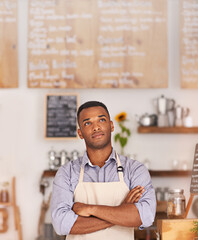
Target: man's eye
pixel 102 120
pixel 87 123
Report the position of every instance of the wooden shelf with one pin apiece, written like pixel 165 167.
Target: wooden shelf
pixel 7 204
pixel 170 173
pixel 49 173
pixel 167 129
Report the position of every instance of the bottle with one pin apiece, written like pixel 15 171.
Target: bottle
pixel 176 204
pixel 4 192
pixel 64 157
pixel 52 158
pixel 74 154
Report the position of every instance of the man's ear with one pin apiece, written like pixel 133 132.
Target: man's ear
pixel 80 133
pixel 112 126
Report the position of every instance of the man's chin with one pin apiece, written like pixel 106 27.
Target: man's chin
pixel 98 146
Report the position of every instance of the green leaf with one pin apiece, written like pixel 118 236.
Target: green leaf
pixel 121 126
pixel 128 132
pixel 123 141
pixel 117 136
pixel 195 228
pixel 124 129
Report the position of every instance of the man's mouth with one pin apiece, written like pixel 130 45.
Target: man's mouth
pixel 97 135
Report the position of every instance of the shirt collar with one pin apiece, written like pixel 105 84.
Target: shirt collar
pixel 86 160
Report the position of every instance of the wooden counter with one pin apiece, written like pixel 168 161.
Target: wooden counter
pixel 175 229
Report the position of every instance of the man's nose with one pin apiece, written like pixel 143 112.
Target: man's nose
pixel 96 126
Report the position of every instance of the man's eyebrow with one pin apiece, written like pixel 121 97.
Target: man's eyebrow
pixel 86 119
pixel 103 115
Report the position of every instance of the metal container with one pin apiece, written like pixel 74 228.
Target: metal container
pixel 147 120
pixel 176 204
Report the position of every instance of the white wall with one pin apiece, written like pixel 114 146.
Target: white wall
pixel 23 151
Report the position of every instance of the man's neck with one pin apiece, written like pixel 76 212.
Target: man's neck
pixel 99 156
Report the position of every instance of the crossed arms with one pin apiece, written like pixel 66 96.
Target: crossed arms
pixel 92 218
pixel 67 220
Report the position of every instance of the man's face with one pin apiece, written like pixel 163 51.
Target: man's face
pixel 95 127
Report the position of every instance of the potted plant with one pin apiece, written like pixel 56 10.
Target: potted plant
pixel 195 229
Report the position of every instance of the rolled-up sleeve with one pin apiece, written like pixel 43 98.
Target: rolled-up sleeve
pixel 147 203
pixel 63 218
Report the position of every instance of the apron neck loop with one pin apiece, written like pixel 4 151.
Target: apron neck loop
pixel 119 170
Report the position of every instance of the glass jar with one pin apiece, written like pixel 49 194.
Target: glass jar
pixel 4 194
pixel 176 204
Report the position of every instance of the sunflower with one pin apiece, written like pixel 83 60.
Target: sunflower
pixel 124 133
pixel 121 117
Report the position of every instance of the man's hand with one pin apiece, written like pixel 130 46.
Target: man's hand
pixel 126 214
pixel 85 210
pixel 134 195
pixel 81 209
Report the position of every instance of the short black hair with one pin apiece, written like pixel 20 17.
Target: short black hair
pixel 91 104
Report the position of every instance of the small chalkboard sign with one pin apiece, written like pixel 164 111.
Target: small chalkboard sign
pixel 194 177
pixel 61 120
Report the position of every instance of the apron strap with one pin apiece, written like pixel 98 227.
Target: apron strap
pixel 120 173
pixel 81 174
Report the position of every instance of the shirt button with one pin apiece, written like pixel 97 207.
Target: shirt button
pixel 101 175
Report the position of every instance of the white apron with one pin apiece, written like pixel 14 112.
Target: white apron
pixel 103 193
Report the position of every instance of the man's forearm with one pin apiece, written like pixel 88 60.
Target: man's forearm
pixel 91 224
pixel 123 215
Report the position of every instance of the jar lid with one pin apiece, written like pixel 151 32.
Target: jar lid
pixel 176 190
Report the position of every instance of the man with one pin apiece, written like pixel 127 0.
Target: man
pixel 101 195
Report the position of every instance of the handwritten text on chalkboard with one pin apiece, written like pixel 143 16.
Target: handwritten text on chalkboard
pixel 61 116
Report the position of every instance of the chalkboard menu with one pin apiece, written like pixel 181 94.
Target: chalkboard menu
pixel 194 178
pixel 189 43
pixel 61 120
pixel 8 44
pixel 97 44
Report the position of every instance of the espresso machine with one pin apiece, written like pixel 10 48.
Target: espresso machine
pixel 164 107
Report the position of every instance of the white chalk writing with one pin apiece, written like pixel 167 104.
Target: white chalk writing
pixel 108 35
pixel 189 42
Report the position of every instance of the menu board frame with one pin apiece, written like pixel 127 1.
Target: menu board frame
pixel 58 95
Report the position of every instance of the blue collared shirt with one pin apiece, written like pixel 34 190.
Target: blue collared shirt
pixel 67 178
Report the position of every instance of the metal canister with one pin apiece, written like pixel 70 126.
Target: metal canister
pixel 176 204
